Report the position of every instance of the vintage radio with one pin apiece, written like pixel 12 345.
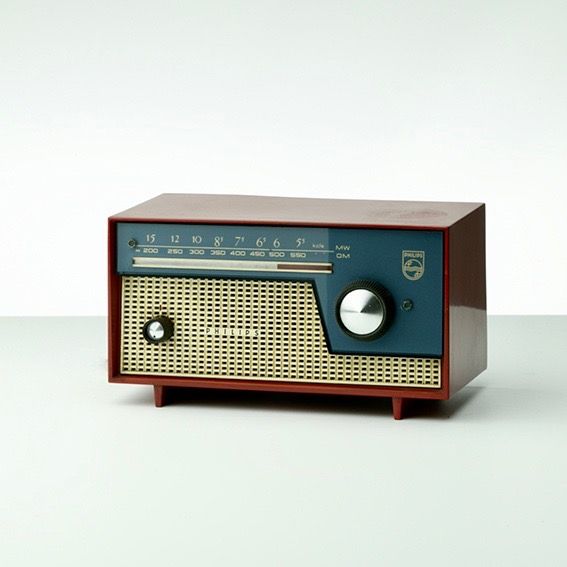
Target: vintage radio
pixel 363 298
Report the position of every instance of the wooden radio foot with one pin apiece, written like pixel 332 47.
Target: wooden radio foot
pixel 159 396
pixel 398 405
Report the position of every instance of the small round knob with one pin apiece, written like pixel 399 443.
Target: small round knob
pixel 364 310
pixel 158 330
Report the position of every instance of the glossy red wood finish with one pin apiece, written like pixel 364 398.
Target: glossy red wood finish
pixel 159 395
pixel 247 209
pixel 464 317
pixel 467 299
pixel 398 407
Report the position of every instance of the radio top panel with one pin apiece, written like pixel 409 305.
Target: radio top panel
pixel 287 211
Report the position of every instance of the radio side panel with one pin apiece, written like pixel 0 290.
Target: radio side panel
pixel 467 299
pixel 114 291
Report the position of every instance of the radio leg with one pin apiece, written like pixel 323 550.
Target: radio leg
pixel 398 407
pixel 159 396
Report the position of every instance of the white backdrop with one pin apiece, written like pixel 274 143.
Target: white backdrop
pixel 106 104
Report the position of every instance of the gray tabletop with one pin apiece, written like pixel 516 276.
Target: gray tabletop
pixel 93 474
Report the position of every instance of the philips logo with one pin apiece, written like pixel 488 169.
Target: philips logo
pixel 231 332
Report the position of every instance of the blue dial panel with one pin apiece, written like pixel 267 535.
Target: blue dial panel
pixel 409 263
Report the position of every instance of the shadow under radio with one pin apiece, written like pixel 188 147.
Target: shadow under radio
pixel 230 400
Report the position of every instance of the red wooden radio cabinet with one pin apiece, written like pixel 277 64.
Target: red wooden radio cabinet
pixel 346 297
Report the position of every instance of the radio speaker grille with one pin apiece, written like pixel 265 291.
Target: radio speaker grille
pixel 248 329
